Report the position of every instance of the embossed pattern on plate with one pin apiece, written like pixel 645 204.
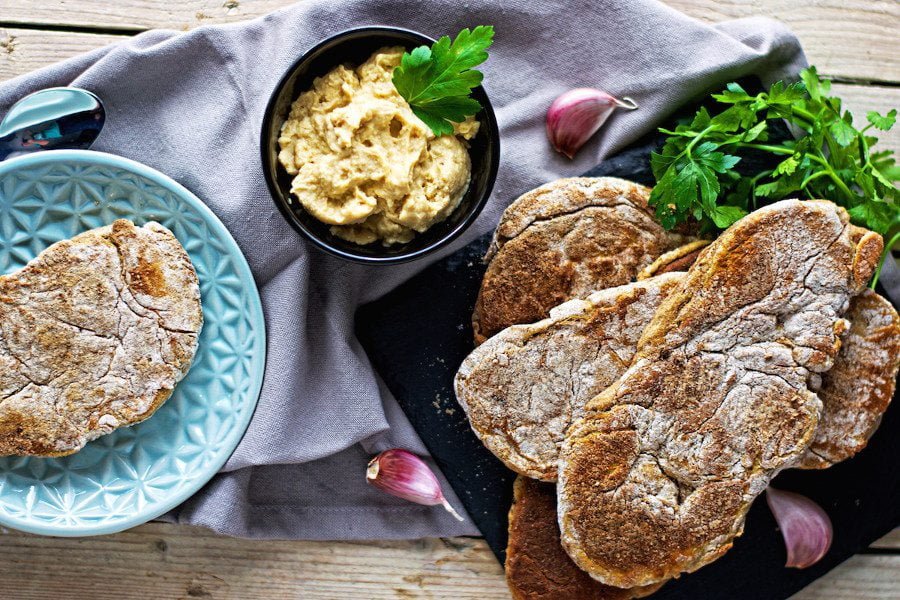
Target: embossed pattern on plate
pixel 137 473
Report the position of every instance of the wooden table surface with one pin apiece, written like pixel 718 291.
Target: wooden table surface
pixel 852 41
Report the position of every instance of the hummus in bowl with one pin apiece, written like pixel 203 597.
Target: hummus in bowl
pixel 363 163
pixel 353 169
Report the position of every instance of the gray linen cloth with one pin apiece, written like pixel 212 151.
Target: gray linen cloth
pixel 191 105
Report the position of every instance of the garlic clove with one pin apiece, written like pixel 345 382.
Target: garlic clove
pixel 576 115
pixel 403 474
pixel 806 528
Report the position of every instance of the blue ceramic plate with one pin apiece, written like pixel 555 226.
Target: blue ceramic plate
pixel 134 474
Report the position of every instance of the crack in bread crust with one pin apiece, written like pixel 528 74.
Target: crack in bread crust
pixel 559 241
pixel 657 478
pixel 102 327
pixel 583 347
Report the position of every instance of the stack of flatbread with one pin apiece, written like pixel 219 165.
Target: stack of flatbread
pixel 647 385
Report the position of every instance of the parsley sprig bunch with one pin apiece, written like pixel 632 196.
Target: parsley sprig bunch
pixel 436 81
pixel 831 159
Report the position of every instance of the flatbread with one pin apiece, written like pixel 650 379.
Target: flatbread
pixel 537 567
pixel 564 240
pixel 657 478
pixel 523 387
pixel 859 387
pixel 94 334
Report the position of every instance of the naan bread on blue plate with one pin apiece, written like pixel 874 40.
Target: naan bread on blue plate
pixel 94 334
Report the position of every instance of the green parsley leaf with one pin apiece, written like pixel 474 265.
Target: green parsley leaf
pixel 756 132
pixel 882 122
pixel 701 120
pixel 787 166
pixel 659 163
pixel 717 161
pixel 810 80
pixel 441 113
pixel 786 94
pixel 880 215
pixel 437 81
pixel 886 178
pixel 724 216
pixel 733 94
pixel 767 190
pixel 695 170
pixel 843 131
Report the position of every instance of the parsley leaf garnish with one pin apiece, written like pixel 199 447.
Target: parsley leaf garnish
pixel 882 122
pixel 437 81
pixel 832 159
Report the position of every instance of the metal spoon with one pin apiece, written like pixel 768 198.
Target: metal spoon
pixel 51 119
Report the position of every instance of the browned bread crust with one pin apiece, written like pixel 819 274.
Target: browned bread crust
pixel 537 568
pixel 859 387
pixel 563 240
pixel 523 387
pixel 657 478
pixel 679 259
pixel 94 334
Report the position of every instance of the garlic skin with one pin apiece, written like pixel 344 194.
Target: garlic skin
pixel 403 474
pixel 806 528
pixel 576 115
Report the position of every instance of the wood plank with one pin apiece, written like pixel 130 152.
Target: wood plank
pixel 176 561
pixel 24 50
pixel 889 542
pixel 863 577
pixel 136 15
pixel 854 39
pixel 847 38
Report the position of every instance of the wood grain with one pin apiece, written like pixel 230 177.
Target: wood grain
pixel 24 50
pixel 847 38
pixel 162 561
pixel 889 542
pixel 854 39
pixel 862 577
pixel 134 15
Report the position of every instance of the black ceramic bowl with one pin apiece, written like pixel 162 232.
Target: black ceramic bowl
pixel 353 47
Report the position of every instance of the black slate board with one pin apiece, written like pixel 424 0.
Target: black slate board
pixel 417 336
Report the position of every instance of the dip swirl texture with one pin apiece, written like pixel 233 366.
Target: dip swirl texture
pixel 364 163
